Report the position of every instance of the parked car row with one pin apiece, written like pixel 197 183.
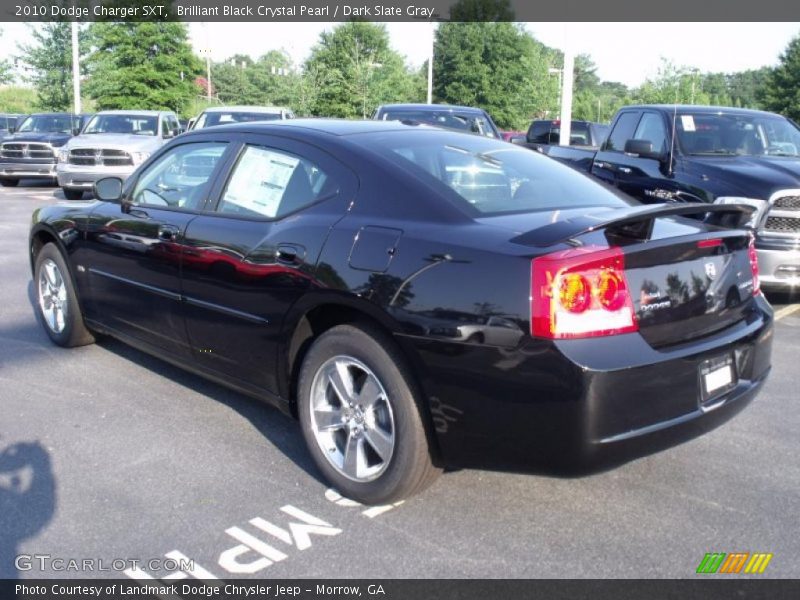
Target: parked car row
pixel 76 150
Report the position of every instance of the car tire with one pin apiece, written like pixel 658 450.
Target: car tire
pixel 9 182
pixel 56 300
pixel 361 416
pixel 73 194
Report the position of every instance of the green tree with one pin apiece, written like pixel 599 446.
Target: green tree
pixel 495 66
pixel 6 73
pixel 357 71
pixel 49 60
pixel 745 88
pixel 142 65
pixel 673 85
pixel 482 10
pixel 781 94
pixel 231 82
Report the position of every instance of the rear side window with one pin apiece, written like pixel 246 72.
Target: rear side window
pixel 484 177
pixel 543 132
pixel 268 183
pixel 623 131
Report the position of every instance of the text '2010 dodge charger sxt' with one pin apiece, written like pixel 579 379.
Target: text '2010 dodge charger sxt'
pixel 418 298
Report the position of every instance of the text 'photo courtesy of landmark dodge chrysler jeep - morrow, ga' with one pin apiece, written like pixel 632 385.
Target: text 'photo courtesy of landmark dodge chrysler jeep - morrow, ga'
pixel 718 155
pixel 112 143
pixel 353 274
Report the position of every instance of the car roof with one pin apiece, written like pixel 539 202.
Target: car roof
pixel 433 107
pixel 149 113
pixel 243 108
pixel 728 110
pixel 47 114
pixel 338 127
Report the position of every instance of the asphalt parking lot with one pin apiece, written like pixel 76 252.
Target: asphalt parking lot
pixel 108 454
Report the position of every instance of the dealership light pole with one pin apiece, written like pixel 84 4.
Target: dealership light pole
pixel 566 92
pixel 430 66
pixel 76 69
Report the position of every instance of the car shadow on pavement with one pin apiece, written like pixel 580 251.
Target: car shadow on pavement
pixel 280 429
pixel 27 499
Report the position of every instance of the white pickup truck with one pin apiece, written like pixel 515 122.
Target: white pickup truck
pixel 112 144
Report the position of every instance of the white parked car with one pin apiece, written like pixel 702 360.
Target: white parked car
pixel 224 115
pixel 112 144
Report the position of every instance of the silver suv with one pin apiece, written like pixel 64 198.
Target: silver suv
pixel 113 143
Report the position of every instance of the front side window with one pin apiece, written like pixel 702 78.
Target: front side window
pixel 487 176
pixel 126 124
pixel 270 184
pixel 651 129
pixel 623 131
pixel 181 178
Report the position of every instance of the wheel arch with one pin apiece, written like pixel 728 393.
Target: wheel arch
pixel 315 315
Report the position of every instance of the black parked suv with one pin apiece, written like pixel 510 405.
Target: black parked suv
pixel 30 152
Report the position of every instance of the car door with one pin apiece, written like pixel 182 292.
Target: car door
pixel 247 262
pixel 646 178
pixel 133 249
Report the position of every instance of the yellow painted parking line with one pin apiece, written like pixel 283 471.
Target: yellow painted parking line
pixel 786 311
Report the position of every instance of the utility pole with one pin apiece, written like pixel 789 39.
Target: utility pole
pixel 566 92
pixel 76 70
pixel 430 66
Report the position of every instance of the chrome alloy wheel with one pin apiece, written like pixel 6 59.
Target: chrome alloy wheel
pixel 351 418
pixel 53 296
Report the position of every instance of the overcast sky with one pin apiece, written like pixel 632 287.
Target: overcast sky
pixel 626 52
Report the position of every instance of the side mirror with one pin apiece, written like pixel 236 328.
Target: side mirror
pixel 76 131
pixel 108 189
pixel 168 134
pixel 643 149
pixel 11 129
pixel 518 139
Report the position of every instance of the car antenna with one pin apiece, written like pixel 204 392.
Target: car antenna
pixel 672 141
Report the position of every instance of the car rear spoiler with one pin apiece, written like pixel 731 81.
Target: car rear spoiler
pixel 636 222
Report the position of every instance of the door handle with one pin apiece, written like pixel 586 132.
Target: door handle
pixel 168 233
pixel 626 170
pixel 290 254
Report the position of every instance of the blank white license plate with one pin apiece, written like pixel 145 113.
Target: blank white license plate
pixel 717 377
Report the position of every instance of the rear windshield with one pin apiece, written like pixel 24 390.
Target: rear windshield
pixel 210 119
pixel 471 122
pixel 549 132
pixel 485 177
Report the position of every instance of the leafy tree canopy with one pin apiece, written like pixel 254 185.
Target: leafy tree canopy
pixel 142 65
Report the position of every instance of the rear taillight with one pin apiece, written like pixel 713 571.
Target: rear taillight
pixel 581 292
pixel 751 250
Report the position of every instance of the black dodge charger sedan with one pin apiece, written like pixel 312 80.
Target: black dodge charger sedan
pixel 418 298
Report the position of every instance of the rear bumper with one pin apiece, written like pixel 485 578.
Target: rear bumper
pixel 583 405
pixel 779 267
pixel 79 177
pixel 27 170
